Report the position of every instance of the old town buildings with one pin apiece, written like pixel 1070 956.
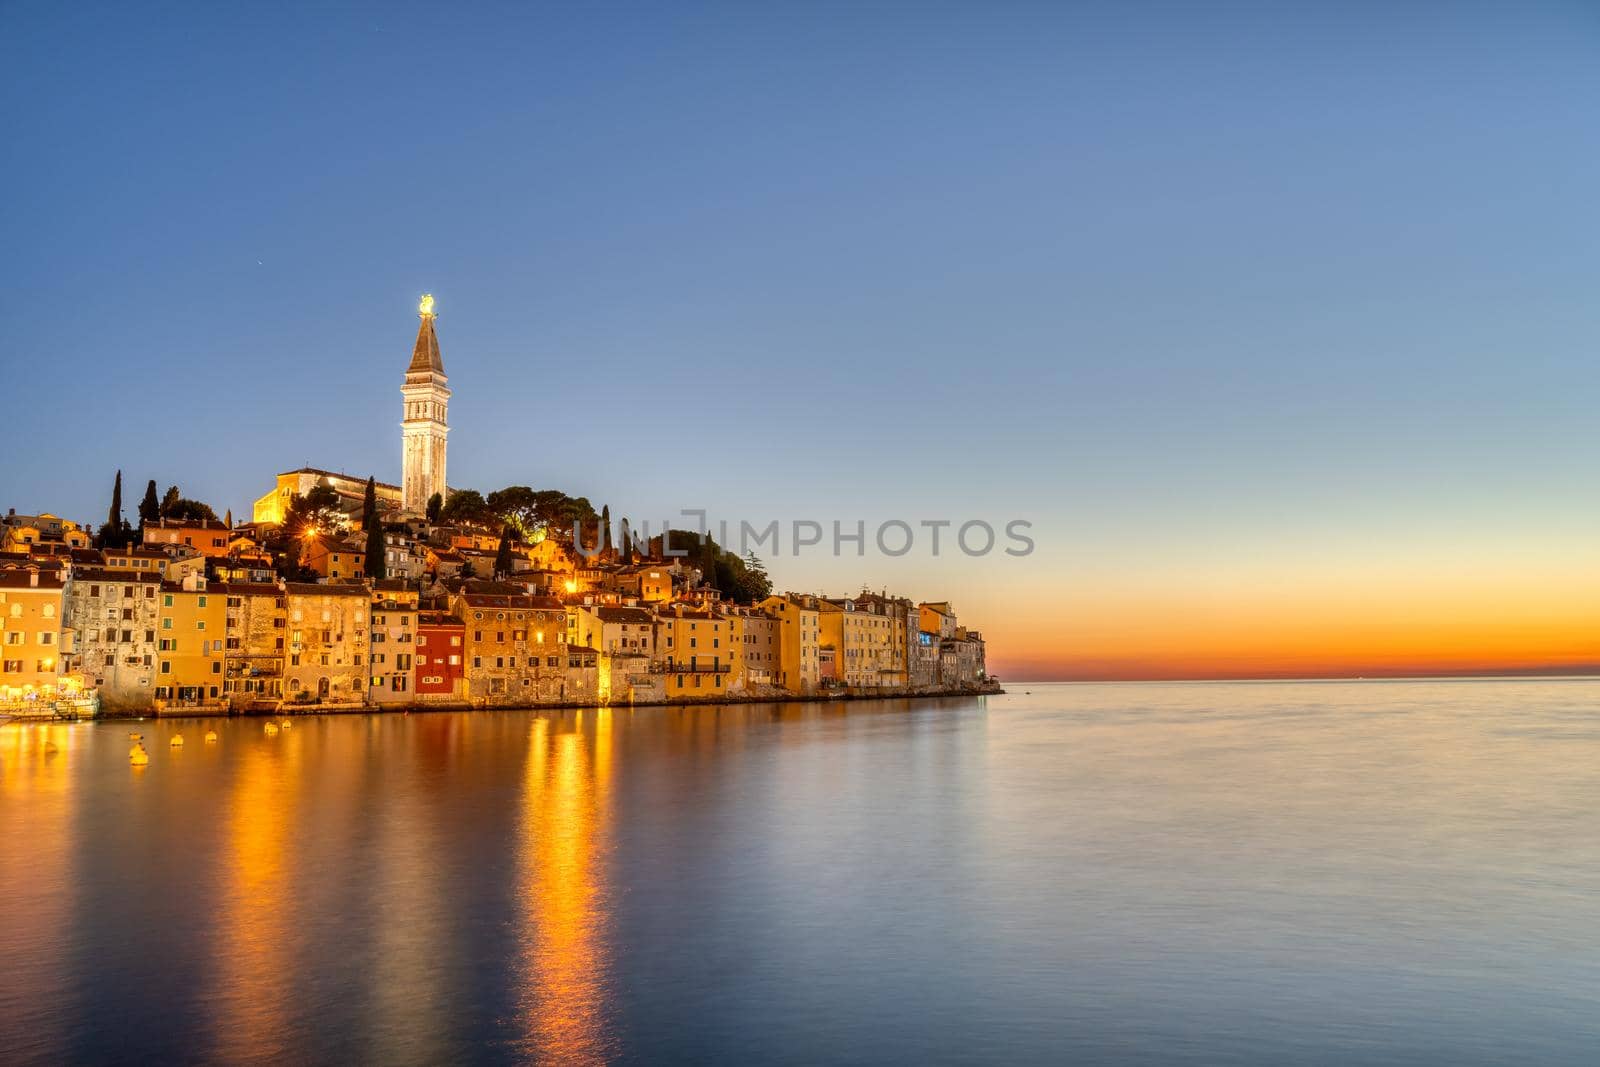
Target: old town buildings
pixel 284 612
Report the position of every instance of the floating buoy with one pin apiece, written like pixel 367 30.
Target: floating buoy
pixel 137 755
pixel 287 724
pixel 271 729
pixel 136 737
pixel 211 737
pixel 177 741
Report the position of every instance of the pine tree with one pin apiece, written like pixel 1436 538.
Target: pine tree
pixel 149 507
pixel 502 557
pixel 369 505
pixel 377 565
pixel 111 532
pixel 435 506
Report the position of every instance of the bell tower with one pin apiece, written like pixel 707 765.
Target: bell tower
pixel 425 426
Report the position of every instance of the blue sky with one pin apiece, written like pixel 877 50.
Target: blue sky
pixel 1188 288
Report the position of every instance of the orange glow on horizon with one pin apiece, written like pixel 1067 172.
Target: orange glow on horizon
pixel 1332 626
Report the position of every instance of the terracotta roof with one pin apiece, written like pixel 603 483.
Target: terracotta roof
pixel 248 588
pixel 312 589
pixel 188 524
pixel 607 613
pixel 106 574
pixel 23 579
pixel 329 474
pixel 438 618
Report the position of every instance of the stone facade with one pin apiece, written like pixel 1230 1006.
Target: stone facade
pixel 112 617
pixel 328 645
pixel 256 645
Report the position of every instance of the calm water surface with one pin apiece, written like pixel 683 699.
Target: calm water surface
pixel 1256 873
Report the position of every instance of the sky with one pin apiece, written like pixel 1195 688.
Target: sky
pixel 1277 322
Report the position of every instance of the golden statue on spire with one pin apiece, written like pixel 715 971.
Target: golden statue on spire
pixel 425 309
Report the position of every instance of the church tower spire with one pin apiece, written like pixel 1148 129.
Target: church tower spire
pixel 425 426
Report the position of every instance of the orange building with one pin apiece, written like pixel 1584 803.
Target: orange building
pixel 206 536
pixel 30 633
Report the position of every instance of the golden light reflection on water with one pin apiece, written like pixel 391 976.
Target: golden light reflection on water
pixel 35 778
pixel 255 957
pixel 565 951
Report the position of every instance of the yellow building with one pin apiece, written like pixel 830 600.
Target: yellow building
pixel 799 634
pixel 697 650
pixel 335 558
pixel 190 643
pixel 903 617
pixel 863 643
pixel 30 634
pixel 274 505
pixel 25 533
pixel 757 647
pixel 393 637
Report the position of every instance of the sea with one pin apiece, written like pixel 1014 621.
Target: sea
pixel 1373 872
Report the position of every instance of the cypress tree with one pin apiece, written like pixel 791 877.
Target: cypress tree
pixel 605 528
pixel 709 564
pixel 149 507
pixel 502 557
pixel 170 501
pixel 369 504
pixel 435 506
pixel 377 566
pixel 111 533
pixel 627 541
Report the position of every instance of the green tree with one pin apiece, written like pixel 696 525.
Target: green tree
pixel 185 509
pixel 316 512
pixel 466 507
pixel 517 505
pixel 111 532
pixel 435 506
pixel 369 504
pixel 149 507
pixel 605 528
pixel 625 549
pixel 377 565
pixel 502 556
pixel 751 582
pixel 169 500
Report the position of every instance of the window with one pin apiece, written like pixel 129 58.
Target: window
pixel 166 666
pixel 166 624
pixel 48 611
pixel 166 601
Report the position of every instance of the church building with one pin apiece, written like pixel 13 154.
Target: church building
pixel 423 430
pixel 425 427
